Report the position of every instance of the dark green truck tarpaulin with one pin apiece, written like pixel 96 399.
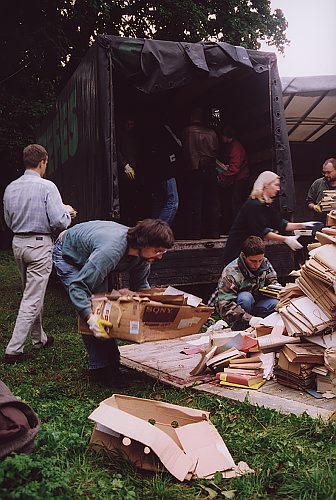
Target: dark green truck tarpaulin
pixel 80 133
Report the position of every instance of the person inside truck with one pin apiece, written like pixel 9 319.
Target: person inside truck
pixel 85 255
pixel 315 192
pixel 199 179
pixel 128 176
pixel 232 174
pixel 160 153
pixel 258 217
pixel 237 298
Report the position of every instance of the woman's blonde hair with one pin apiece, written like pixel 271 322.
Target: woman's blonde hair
pixel 262 180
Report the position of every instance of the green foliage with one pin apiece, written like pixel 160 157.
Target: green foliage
pixel 293 457
pixel 44 41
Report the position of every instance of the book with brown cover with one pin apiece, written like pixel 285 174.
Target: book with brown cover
pixel 304 353
pixel 240 379
pixel 249 366
pixel 290 366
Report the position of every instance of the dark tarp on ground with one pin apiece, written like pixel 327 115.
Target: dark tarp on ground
pixel 80 133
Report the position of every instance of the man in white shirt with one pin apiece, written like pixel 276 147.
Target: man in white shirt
pixel 33 209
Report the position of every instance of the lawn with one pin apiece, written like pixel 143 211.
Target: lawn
pixel 293 457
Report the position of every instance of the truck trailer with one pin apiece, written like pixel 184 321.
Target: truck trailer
pixel 236 85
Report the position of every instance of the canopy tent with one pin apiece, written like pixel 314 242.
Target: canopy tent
pixel 310 106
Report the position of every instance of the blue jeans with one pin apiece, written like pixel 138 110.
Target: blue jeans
pixel 166 201
pixel 101 353
pixel 261 307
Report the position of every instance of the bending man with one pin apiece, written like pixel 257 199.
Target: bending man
pixel 85 255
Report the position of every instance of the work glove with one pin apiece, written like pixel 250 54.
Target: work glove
pixel 292 242
pixel 129 171
pixel 255 320
pixel 313 225
pixel 97 326
pixel 317 208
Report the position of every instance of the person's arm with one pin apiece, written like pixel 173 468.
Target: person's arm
pixel 89 278
pixel 58 215
pixel 271 277
pixel 312 196
pixel 138 276
pixel 235 160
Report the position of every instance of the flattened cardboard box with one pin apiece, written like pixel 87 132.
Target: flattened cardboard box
pixel 141 319
pixel 160 436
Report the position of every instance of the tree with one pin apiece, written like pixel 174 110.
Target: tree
pixel 44 40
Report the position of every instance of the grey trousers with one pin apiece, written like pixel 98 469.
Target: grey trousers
pixel 33 257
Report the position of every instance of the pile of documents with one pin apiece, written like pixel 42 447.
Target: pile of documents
pixel 296 363
pixel 328 201
pixel 314 311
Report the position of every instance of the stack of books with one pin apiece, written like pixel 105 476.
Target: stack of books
pixel 295 365
pixel 271 290
pixel 243 372
pixel 328 201
pixel 325 380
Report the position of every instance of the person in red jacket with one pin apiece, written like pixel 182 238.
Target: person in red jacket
pixel 233 170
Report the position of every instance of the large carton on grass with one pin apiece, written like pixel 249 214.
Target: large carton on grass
pixel 161 436
pixel 144 318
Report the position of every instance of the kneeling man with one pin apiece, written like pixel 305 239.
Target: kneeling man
pixel 237 297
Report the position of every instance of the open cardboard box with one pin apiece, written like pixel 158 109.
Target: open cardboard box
pixel 144 317
pixel 160 436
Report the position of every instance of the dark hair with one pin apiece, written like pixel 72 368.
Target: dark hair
pixel 330 160
pixel 227 131
pixel 150 233
pixel 33 154
pixel 253 245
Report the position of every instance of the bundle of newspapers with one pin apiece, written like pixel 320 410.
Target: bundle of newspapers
pixel 314 311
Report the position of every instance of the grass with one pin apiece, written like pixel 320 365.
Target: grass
pixel 293 457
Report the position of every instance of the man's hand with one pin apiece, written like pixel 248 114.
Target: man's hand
pixel 97 326
pixel 71 211
pixel 255 320
pixel 129 171
pixel 292 242
pixel 317 208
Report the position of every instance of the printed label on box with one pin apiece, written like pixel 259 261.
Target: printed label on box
pixel 107 311
pixel 134 327
pixel 185 323
pixel 159 314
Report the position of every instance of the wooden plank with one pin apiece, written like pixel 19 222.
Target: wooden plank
pixel 163 361
pixel 289 401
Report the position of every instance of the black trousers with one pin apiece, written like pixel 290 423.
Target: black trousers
pixel 200 204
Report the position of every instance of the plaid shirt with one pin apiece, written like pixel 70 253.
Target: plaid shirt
pixel 236 278
pixel 34 205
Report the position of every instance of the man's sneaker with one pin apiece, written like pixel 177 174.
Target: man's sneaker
pixel 17 358
pixel 50 342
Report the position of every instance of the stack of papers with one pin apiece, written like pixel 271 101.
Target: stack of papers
pixel 303 317
pixel 328 201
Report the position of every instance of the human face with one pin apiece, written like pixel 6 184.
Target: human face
pixel 329 172
pixel 272 188
pixel 253 262
pixel 150 254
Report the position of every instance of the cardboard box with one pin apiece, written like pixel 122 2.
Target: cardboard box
pixel 142 318
pixel 160 436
